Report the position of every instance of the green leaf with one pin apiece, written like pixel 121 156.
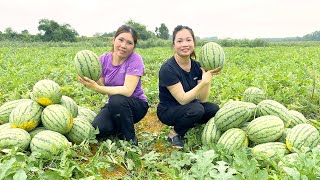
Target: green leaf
pixel 20 175
pixel 292 172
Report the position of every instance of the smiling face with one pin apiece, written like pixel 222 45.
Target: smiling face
pixel 123 45
pixel 183 43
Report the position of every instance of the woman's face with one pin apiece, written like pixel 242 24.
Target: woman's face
pixel 123 45
pixel 183 43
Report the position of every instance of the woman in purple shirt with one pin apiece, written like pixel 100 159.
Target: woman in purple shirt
pixel 127 104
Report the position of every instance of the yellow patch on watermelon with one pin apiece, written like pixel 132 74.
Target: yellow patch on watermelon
pixel 28 126
pixel 288 145
pixel 246 142
pixel 44 101
pixel 70 121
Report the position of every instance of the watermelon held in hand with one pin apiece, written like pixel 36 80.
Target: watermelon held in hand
pixel 211 56
pixel 88 65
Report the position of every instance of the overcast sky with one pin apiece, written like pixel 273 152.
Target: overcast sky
pixel 224 18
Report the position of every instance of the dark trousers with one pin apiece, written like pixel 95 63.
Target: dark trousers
pixel 119 115
pixel 184 117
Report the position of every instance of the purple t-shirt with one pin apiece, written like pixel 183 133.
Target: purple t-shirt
pixel 115 75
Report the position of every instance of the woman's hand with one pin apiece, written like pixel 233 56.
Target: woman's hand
pixel 88 83
pixel 207 76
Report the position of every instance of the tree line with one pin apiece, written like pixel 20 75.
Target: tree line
pixel 52 31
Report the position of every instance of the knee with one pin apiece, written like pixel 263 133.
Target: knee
pixel 103 127
pixel 116 101
pixel 196 110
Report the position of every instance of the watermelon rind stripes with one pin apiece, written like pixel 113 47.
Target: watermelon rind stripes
pixel 48 143
pixel 302 136
pixel 211 56
pixel 87 64
pixel 210 134
pixel 265 129
pixel 233 139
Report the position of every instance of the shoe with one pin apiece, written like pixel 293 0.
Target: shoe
pixel 135 141
pixel 176 141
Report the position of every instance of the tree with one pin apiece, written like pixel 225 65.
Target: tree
pixel 314 36
pixel 162 32
pixel 52 31
pixel 10 33
pixel 25 32
pixel 142 31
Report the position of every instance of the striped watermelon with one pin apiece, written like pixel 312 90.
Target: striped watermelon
pixel 271 151
pixel 210 133
pixel 27 115
pixel 7 108
pixel 70 104
pixel 36 131
pixel 251 107
pixel 265 129
pixel 87 64
pixel 57 118
pixel 14 137
pixel 297 118
pixel 47 92
pixel 48 143
pixel 86 113
pixel 253 95
pixel 211 56
pixel 233 139
pixel 272 107
pixel 232 116
pixel 81 130
pixel 302 136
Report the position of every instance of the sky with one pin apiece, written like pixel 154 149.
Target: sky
pixel 237 19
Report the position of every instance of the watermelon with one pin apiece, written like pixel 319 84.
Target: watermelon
pixel 253 95
pixel 297 118
pixel 36 131
pixel 46 92
pixel 14 137
pixel 232 116
pixel 210 133
pixel 57 118
pixel 265 129
pixel 272 107
pixel 7 108
pixel 81 130
pixel 251 107
pixel 48 143
pixel 233 139
pixel 211 56
pixel 86 113
pixel 87 64
pixel 302 136
pixel 27 115
pixel 70 104
pixel 271 151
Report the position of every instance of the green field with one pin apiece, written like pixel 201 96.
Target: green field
pixel 288 74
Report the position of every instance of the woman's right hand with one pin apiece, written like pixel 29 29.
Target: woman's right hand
pixel 208 75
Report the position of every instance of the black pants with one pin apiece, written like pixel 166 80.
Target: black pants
pixel 119 115
pixel 184 117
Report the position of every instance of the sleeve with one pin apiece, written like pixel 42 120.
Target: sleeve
pixel 136 66
pixel 198 70
pixel 167 76
pixel 103 64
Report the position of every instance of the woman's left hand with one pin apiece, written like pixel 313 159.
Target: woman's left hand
pixel 88 83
